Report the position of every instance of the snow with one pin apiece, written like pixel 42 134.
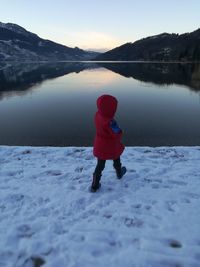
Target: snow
pixel 15 28
pixel 149 218
pixel 153 37
pixel 11 50
pixel 3 56
pixel 40 43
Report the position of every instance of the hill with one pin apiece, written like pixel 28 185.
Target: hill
pixel 162 47
pixel 18 44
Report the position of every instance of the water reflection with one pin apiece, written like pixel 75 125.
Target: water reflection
pixel 18 78
pixel 160 73
pixel 54 104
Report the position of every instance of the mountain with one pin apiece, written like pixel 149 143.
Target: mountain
pixel 162 47
pixel 18 44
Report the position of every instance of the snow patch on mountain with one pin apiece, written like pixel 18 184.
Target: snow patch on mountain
pixel 16 28
pixel 18 44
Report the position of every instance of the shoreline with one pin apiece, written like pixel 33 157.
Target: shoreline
pixel 104 61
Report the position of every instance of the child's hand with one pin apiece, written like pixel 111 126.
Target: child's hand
pixel 114 126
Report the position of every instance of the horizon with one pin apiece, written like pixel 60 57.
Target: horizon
pixel 101 26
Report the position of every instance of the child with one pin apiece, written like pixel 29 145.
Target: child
pixel 107 143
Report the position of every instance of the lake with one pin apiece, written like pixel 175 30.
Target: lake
pixel 53 104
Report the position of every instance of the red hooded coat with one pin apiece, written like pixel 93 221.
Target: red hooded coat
pixel 107 144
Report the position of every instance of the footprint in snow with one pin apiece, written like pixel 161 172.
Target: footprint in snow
pixel 167 186
pixel 72 187
pixel 24 231
pixel 107 215
pixel 171 206
pixel 15 198
pixel 79 169
pixel 132 170
pixel 175 182
pixel 89 157
pixel 148 180
pixel 25 152
pixel 192 195
pixel 43 166
pixel 133 222
pixel 53 172
pixel 158 180
pixel 13 173
pixel 147 151
pixel 78 150
pixel 155 186
pixel 139 206
pixel 76 237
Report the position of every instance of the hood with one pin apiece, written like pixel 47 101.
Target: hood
pixel 107 106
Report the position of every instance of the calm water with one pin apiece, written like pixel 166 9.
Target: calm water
pixel 54 104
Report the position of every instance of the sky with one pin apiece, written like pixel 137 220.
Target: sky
pixel 101 24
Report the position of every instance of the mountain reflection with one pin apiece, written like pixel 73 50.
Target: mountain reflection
pixel 160 73
pixel 51 111
pixel 17 79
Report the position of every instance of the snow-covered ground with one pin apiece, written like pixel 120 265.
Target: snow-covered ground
pixel 150 218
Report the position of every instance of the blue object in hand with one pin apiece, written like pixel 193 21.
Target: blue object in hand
pixel 114 126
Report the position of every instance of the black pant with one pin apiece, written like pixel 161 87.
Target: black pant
pixel 101 165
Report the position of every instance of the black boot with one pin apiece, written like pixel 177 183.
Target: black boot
pixel 120 172
pixel 95 183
